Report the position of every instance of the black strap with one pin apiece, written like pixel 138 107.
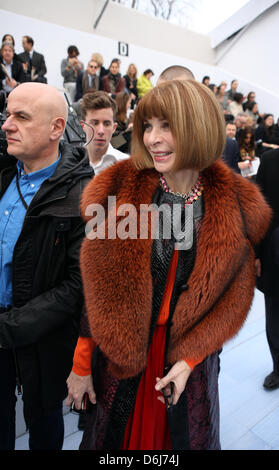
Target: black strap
pixel 19 192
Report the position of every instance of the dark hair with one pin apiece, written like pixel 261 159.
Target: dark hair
pixel 5 40
pixel 148 71
pixel 219 88
pixel 114 61
pixel 234 80
pixel 73 49
pixel 249 94
pixel 250 105
pixel 211 86
pixel 206 77
pixel 29 40
pixel 241 138
pixel 97 100
pixel 238 97
pixel 270 129
pixel 121 100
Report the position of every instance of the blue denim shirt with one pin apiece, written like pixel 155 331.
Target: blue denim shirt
pixel 12 213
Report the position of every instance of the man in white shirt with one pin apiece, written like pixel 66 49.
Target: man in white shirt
pixel 98 113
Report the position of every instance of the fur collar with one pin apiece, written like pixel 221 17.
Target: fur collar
pixel 117 279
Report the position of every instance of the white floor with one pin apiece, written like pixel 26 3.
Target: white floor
pixel 249 414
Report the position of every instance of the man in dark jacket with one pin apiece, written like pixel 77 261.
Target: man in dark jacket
pixel 268 262
pixel 33 62
pixel 231 154
pixel 40 286
pixel 11 72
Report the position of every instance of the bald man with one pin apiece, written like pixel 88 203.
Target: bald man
pixel 175 72
pixel 40 286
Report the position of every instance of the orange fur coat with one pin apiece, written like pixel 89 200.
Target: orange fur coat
pixel 117 276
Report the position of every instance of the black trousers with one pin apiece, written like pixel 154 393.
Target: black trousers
pixel 45 433
pixel 272 329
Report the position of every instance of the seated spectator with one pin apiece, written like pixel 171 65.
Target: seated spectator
pixel 123 102
pixel 144 84
pixel 206 80
pixel 252 111
pixel 11 71
pixel 230 93
pixel 113 83
pixel 248 161
pixel 121 139
pixel 98 114
pixel 102 71
pixel 131 83
pixel 213 88
pixel 266 132
pixel 87 80
pixel 175 72
pixel 240 122
pixel 33 62
pixel 250 99
pixel 231 154
pixel 223 100
pixel 246 143
pixel 70 68
pixel 276 128
pixel 235 106
pixel 230 129
pixel 9 38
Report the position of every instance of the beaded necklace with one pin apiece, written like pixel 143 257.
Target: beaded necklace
pixel 192 196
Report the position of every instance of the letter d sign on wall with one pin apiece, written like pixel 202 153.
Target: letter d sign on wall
pixel 123 48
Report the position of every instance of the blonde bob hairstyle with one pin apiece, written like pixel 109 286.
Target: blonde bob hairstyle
pixel 195 118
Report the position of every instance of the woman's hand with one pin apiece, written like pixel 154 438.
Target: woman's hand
pixel 78 385
pixel 178 374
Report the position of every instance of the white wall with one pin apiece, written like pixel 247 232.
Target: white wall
pixel 120 23
pixel 254 56
pixel 52 40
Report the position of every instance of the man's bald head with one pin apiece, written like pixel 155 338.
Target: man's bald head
pixel 46 97
pixel 36 119
pixel 175 72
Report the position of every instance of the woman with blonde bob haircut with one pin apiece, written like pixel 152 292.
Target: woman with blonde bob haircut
pixel 161 307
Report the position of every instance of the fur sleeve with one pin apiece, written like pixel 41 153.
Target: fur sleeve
pixel 256 213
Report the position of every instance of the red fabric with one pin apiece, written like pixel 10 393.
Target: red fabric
pixel 147 428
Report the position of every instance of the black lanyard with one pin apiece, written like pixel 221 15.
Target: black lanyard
pixel 19 192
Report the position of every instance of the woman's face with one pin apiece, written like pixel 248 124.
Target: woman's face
pixel 8 38
pixel 132 69
pixel 247 138
pixel 255 109
pixel 269 121
pixel 159 142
